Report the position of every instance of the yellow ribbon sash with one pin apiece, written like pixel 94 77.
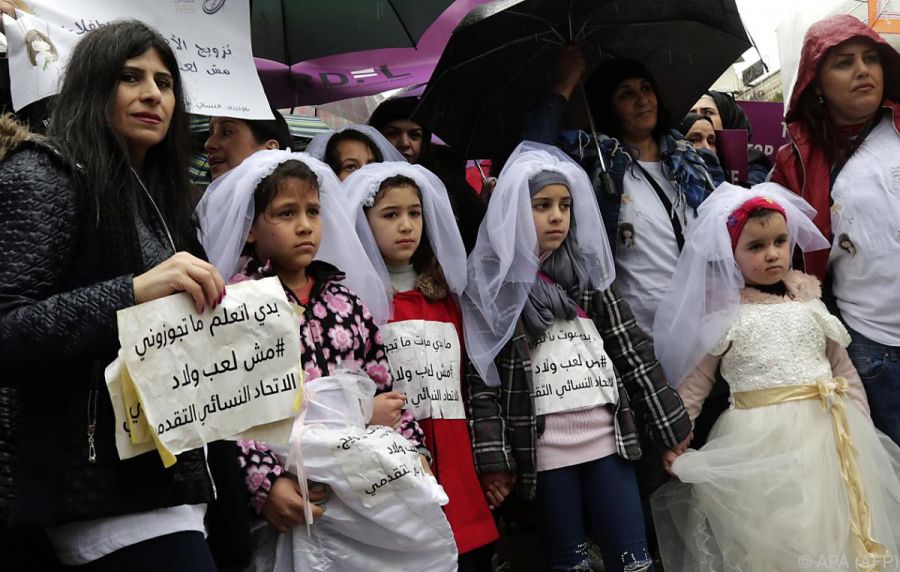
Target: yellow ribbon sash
pixel 831 394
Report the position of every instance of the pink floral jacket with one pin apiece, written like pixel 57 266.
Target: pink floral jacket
pixel 336 331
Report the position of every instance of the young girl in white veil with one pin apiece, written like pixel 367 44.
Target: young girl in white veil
pixel 405 222
pixel 566 370
pixel 283 211
pixel 794 475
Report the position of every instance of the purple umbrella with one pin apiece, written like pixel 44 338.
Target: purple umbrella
pixel 360 73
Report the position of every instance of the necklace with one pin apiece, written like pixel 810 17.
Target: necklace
pixel 155 208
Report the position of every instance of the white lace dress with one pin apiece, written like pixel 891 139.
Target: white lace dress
pixel 766 493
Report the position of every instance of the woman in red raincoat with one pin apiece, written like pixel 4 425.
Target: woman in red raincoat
pixel 844 159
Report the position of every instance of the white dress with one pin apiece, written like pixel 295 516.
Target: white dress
pixel 766 493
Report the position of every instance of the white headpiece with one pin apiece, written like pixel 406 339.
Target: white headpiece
pixel 504 264
pixel 226 213
pixel 440 224
pixel 317 146
pixel 704 295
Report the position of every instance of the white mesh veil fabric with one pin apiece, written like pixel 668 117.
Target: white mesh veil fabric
pixel 226 213
pixel 440 223
pixel 316 147
pixel 703 297
pixel 504 264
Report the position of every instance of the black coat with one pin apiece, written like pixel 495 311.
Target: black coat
pixel 57 334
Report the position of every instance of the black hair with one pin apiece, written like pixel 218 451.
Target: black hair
pixel 602 84
pixel 80 128
pixel 401 108
pixel 837 145
pixel 333 160
pixel 423 259
pixel 762 213
pixel 267 189
pixel 265 129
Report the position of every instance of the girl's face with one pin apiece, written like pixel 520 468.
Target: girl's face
pixel 551 209
pixel 634 105
pixel 288 232
pixel 396 223
pixel 230 142
pixel 701 135
pixel 851 80
pixel 144 104
pixel 763 250
pixel 352 155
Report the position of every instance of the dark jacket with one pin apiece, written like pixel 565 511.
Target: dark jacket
pixel 58 332
pixel 801 165
pixel 682 165
pixel 505 428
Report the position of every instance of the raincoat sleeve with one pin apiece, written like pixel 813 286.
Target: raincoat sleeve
pixel 487 423
pixel 656 404
pixel 543 120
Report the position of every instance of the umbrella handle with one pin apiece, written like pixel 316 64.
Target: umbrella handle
pixel 605 179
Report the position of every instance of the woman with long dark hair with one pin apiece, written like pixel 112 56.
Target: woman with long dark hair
pixel 94 218
pixel 844 159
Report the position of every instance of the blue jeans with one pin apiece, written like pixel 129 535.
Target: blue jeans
pixel 879 368
pixel 606 492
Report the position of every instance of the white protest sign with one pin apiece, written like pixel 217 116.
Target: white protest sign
pixel 211 40
pixel 215 375
pixel 571 369
pixel 425 361
pixel 377 463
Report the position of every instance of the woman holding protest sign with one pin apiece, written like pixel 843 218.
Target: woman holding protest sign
pixel 844 121
pixel 96 218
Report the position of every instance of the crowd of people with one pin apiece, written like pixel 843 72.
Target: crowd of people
pixel 683 372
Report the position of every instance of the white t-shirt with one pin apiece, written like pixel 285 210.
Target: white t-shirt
pixel 646 249
pixel 82 542
pixel 865 220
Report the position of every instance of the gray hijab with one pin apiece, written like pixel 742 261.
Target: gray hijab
pixel 565 266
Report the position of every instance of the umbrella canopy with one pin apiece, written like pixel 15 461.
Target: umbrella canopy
pixel 292 79
pixel 497 65
pixel 290 31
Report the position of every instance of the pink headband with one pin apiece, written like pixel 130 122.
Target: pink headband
pixel 738 218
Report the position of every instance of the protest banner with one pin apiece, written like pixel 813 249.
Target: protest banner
pixel 185 379
pixel 210 39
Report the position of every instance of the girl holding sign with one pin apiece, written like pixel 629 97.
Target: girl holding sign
pixel 563 364
pixel 794 475
pixel 282 211
pixel 405 222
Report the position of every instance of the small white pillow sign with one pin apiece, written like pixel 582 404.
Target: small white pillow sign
pixel 203 377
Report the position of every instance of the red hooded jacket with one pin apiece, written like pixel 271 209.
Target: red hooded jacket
pixel 801 165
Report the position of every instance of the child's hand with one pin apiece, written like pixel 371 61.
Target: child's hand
pixel 669 455
pixel 424 460
pixel 181 272
pixel 387 409
pixel 497 486
pixel 284 505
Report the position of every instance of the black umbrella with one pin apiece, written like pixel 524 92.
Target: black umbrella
pixel 497 65
pixel 292 31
